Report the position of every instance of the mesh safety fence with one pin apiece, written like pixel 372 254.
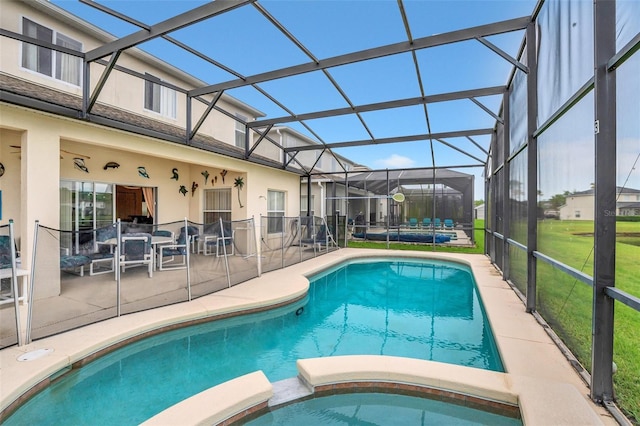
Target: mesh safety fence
pixel 10 284
pixel 67 291
pixel 285 241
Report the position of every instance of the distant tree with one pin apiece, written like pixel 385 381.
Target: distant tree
pixel 476 203
pixel 558 200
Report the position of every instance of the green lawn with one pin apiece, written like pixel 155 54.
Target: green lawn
pixel 566 303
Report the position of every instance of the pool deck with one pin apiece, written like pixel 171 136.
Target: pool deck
pixel 539 377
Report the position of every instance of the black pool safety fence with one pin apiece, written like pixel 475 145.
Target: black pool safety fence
pixel 82 277
pixel 285 241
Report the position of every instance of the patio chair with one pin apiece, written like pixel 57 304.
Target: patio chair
pixel 426 222
pixel 167 254
pixel 448 224
pixel 436 223
pixel 213 238
pixel 194 234
pixel 102 258
pixel 73 263
pixel 413 222
pixel 318 240
pixel 136 250
pixel 5 252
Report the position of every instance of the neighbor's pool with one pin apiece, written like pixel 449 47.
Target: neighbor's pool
pixel 367 409
pixel 401 307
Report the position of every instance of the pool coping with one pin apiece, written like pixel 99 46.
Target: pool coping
pixel 530 357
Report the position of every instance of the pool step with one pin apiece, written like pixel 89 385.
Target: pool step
pixel 288 390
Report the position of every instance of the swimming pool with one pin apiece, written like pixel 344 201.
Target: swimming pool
pixel 402 307
pixel 365 409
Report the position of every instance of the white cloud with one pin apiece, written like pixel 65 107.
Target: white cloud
pixel 395 162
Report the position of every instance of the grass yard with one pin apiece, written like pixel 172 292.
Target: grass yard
pixel 566 303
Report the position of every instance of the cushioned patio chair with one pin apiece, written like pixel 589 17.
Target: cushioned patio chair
pixel 194 234
pixel 167 254
pixel 103 257
pixel 318 240
pixel 5 252
pixel 448 224
pixel 213 239
pixel 426 222
pixel 436 223
pixel 73 263
pixel 136 250
pixel 413 222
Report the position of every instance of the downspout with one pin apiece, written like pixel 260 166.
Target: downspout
pixel 322 200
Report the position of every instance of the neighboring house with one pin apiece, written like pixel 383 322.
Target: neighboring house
pixel 479 211
pixel 56 157
pixel 580 205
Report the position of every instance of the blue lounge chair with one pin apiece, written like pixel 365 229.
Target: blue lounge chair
pixel 426 222
pixel 448 224
pixel 413 222
pixel 436 223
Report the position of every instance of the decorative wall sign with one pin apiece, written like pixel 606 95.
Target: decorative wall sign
pixel 239 183
pixel 111 165
pixel 183 190
pixel 223 174
pixel 206 176
pixel 143 172
pixel 194 186
pixel 78 163
pixel 175 173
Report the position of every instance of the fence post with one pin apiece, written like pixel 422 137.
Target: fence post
pixel 117 255
pixel 224 251
pixel 187 258
pixel 32 281
pixel 14 283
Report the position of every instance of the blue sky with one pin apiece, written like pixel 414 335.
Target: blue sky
pixel 245 41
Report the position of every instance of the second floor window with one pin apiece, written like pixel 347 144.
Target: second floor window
pixel 58 65
pixel 240 130
pixel 159 98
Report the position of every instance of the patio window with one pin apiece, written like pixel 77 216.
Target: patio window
pixel 58 65
pixel 217 205
pixel 160 99
pixel 240 130
pixel 275 211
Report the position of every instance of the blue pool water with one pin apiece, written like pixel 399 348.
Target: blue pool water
pixel 420 309
pixel 367 409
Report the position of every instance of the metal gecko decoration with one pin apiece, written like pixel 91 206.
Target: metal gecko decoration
pixel 111 165
pixel 143 172
pixel 78 163
pixel 174 172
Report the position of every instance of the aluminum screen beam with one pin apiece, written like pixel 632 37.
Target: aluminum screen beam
pixel 172 24
pixel 412 138
pixel 378 52
pixel 418 100
pixel 604 258
pixel 532 166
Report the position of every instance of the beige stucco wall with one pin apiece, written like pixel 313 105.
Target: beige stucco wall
pixel 33 177
pixel 121 90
